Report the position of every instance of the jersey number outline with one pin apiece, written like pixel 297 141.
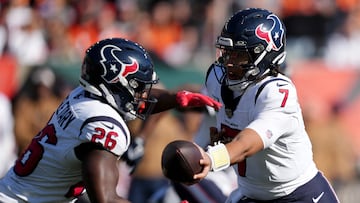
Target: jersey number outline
pixel 31 157
pixel 109 142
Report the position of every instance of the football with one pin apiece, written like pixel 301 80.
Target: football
pixel 180 161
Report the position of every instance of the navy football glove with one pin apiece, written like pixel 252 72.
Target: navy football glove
pixel 134 154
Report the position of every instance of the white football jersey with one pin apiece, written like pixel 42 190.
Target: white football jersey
pixel 49 170
pixel 7 137
pixel 271 108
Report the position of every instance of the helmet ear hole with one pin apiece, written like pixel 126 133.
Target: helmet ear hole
pixel 133 83
pixel 129 107
pixel 258 49
pixel 252 72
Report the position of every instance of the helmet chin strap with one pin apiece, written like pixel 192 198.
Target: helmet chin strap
pixel 108 96
pixel 127 115
pixel 251 75
pixel 280 58
pixel 241 85
pixel 262 55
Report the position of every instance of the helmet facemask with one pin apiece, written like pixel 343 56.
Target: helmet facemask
pixel 254 40
pixel 133 100
pixel 141 106
pixel 241 71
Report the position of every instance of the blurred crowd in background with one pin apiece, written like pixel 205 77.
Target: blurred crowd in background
pixel 42 43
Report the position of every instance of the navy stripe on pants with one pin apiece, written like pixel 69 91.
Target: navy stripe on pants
pixel 317 190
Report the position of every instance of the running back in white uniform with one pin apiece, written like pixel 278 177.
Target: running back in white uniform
pixel 37 177
pixel 271 108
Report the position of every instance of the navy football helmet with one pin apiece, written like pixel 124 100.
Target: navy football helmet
pixel 251 44
pixel 120 72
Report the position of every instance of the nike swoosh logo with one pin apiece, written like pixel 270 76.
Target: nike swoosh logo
pixel 316 200
pixel 111 127
pixel 280 85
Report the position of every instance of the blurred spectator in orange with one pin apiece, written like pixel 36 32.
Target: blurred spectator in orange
pixel 159 30
pixel 108 24
pixel 347 5
pixel 35 102
pixel 181 53
pixel 84 31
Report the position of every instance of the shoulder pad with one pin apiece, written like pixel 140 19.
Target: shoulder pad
pixel 215 71
pixel 264 84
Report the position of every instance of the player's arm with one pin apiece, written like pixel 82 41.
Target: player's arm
pixel 181 99
pixel 245 144
pixel 221 156
pixel 100 173
pixel 273 119
pixel 166 100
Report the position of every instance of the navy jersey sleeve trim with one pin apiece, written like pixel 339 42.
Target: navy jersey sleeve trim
pixel 208 72
pixel 219 78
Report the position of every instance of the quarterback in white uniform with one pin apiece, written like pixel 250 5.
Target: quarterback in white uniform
pixel 260 131
pixel 86 136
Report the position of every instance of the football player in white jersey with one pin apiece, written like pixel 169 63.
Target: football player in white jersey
pixel 84 139
pixel 260 130
pixel 7 137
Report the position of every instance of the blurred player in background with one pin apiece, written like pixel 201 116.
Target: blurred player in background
pixel 260 129
pixel 80 146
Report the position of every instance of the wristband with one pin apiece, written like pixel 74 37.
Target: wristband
pixel 219 156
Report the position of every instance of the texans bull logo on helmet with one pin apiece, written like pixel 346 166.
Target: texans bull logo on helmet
pixel 110 62
pixel 272 36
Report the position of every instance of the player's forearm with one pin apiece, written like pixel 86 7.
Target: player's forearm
pixel 100 174
pixel 247 143
pixel 166 100
pixel 184 99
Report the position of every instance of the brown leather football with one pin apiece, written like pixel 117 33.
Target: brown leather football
pixel 180 161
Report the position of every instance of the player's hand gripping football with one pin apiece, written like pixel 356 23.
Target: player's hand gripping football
pixel 205 162
pixel 190 99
